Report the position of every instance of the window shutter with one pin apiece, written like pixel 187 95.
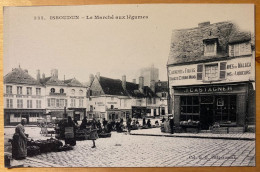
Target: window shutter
pixel 199 71
pixel 222 74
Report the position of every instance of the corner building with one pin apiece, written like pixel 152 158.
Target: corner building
pixel 211 74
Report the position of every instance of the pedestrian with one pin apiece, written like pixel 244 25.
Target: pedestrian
pixel 19 144
pixel 144 123
pixel 105 125
pixel 172 125
pixel 156 123
pixel 70 132
pixel 93 133
pixel 149 123
pixel 163 119
pixel 128 124
pixel 83 123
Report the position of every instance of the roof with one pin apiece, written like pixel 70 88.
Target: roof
pixel 53 81
pixel 133 91
pixel 20 76
pixel 161 86
pixel 187 44
pixel 73 83
pixel 112 86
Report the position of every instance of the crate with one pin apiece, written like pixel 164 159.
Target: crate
pixel 220 130
pixel 235 130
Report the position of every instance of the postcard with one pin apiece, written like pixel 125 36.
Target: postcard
pixel 141 85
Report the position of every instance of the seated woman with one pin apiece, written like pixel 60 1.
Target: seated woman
pixel 149 123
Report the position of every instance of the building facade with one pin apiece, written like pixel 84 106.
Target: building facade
pixel 24 97
pixel 211 73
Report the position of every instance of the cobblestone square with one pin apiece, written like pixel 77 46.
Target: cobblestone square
pixel 123 150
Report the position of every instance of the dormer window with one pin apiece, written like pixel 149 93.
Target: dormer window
pixel 73 91
pixel 210 47
pixel 52 90
pixel 240 49
pixel 61 90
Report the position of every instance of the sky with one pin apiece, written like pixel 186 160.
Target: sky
pixel 113 47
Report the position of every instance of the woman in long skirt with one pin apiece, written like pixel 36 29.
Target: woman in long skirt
pixel 93 133
pixel 19 144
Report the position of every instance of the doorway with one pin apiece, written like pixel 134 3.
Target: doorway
pixel 206 116
pixel 26 117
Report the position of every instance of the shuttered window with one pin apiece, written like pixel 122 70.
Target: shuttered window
pixel 199 71
pixel 222 74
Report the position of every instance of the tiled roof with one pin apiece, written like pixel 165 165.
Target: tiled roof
pixel 187 44
pixel 55 82
pixel 73 83
pixel 112 86
pixel 161 86
pixel 133 91
pixel 20 76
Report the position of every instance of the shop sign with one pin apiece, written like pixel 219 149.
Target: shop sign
pixel 208 89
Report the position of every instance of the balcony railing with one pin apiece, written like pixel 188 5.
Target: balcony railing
pixel 57 94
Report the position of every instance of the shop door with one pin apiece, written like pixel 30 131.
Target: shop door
pixel 206 116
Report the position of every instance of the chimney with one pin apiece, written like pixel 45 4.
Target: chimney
pixel 43 76
pixel 98 75
pixel 141 84
pixel 134 81
pixel 54 73
pixel 91 79
pixel 207 23
pixel 124 82
pixel 38 77
pixel 152 85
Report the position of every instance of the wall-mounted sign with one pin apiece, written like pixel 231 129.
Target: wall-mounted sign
pixel 208 89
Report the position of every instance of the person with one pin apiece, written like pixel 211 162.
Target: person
pixel 105 125
pixel 137 123
pixel 19 144
pixel 144 123
pixel 99 126
pixel 149 123
pixel 172 125
pixel 156 123
pixel 93 133
pixel 83 123
pixel 128 124
pixel 70 133
pixel 163 119
pixel 75 121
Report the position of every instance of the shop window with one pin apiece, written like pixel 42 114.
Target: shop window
pixel 189 108
pixel 226 109
pixel 9 89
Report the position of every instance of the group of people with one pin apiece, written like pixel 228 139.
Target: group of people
pixel 168 124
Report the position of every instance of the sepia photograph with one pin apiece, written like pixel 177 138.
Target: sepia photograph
pixel 140 85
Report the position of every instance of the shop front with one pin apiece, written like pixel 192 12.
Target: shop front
pixel 78 113
pixel 14 116
pixel 117 114
pixel 226 104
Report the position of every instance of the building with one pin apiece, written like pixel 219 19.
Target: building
pixel 24 97
pixel 149 74
pixel 114 99
pixel 211 74
pixel 161 90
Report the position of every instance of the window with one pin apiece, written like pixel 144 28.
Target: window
pixel 52 90
pixel 81 102
pixel 9 89
pixel 9 103
pixel 163 110
pixel 62 103
pixel 149 100
pixel 80 92
pixel 66 103
pixel 72 91
pixel 154 100
pixel 38 91
pixel 49 102
pixel 61 90
pixel 19 90
pixel 16 115
pixel 163 94
pixel 225 109
pixel 189 108
pixel 112 106
pixel 52 102
pixel 91 107
pixel 73 103
pixel 211 72
pixel 29 103
pixel 29 90
pixel 19 103
pixel 57 103
pixel 240 49
pixel 210 47
pixel 38 103
pixel 125 103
